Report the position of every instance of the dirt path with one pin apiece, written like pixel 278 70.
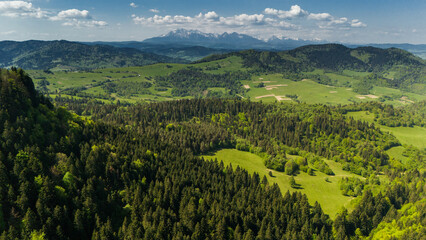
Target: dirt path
pixel 264 96
pixel 372 96
pixel 279 98
pixel 246 86
pixel 367 96
pixel 278 85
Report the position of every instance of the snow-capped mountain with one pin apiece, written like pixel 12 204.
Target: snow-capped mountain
pixel 188 34
pixel 194 37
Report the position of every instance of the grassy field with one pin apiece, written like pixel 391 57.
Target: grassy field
pixel 308 91
pixel 315 187
pixel 415 136
pixel 90 81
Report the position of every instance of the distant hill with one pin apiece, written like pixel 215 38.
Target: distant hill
pixel 416 49
pixel 173 50
pixel 334 57
pixel 339 57
pixel 394 68
pixel 73 56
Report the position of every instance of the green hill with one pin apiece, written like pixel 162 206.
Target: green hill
pixel 64 55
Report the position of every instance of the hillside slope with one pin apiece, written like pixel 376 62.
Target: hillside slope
pixel 66 55
pixel 394 68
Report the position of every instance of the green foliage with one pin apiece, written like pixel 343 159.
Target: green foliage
pixel 293 183
pixel 351 186
pixel 38 235
pixel 407 224
pixel 69 180
pixel 193 81
pixel 319 164
pixel 291 167
pixel 2 220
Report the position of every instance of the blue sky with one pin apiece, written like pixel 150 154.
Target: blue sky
pixel 350 21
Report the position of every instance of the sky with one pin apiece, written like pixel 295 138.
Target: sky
pixel 346 21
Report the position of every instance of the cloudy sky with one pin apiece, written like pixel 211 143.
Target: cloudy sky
pixel 350 21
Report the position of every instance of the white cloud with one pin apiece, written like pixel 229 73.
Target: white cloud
pixel 70 17
pixel 178 19
pixel 133 5
pixel 326 20
pixel 202 19
pixel 77 18
pixel 285 25
pixel 90 23
pixel 154 10
pixel 71 14
pixel 211 15
pixel 20 9
pixel 8 33
pixel 357 23
pixel 295 11
pixel 243 20
pixel 320 16
pixel 295 23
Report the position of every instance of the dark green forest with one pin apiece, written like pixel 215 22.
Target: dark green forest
pixel 112 171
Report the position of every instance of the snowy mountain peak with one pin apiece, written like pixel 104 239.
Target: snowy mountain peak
pixel 225 40
pixel 185 33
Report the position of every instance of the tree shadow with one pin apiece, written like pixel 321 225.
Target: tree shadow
pixel 297 186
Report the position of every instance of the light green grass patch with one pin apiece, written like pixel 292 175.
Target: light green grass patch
pixel 307 91
pixel 230 64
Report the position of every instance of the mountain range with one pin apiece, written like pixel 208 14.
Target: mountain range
pixel 179 46
pixel 179 42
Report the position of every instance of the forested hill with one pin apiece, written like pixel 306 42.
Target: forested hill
pixel 65 55
pixel 394 68
pixel 327 56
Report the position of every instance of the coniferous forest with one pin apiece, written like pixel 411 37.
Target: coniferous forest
pixel 87 170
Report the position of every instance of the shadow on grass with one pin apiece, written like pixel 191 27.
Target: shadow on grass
pixel 297 186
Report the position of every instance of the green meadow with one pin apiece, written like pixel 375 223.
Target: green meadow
pixel 276 87
pixel 327 193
